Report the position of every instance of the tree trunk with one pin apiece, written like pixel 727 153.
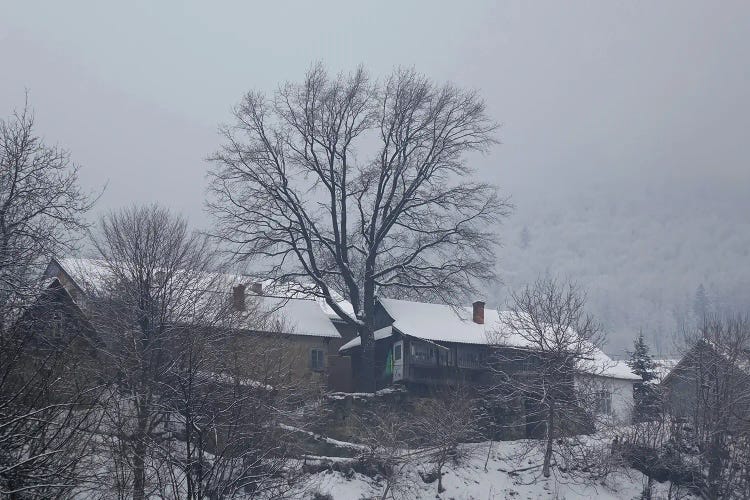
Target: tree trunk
pixel 550 441
pixel 367 376
pixel 189 458
pixel 139 457
pixel 385 492
pixel 715 465
pixel 648 488
pixel 139 471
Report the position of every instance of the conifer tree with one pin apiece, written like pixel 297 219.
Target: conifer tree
pixel 700 304
pixel 641 361
pixel 645 395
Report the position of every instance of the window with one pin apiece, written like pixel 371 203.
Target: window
pixel 397 352
pixel 56 325
pixel 603 402
pixel 422 353
pixel 469 357
pixel 317 359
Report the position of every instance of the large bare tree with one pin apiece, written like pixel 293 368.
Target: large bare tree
pixel 42 209
pixel 196 402
pixel 360 188
pixel 154 285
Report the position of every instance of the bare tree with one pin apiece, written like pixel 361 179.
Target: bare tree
pixel 445 426
pixel 197 400
pixel 360 188
pixel 46 412
pixel 711 388
pixel 42 208
pixel 546 341
pixel 401 444
pixel 156 282
pixel 388 436
pixel 42 410
pixel 652 448
pixel 236 408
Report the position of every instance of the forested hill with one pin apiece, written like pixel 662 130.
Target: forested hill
pixel 649 255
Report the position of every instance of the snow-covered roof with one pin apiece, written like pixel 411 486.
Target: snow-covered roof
pixel 740 359
pixel 380 334
pixel 296 314
pixel 604 366
pixel 85 273
pixel 300 316
pixel 442 323
pixel 663 367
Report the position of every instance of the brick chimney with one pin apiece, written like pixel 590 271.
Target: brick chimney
pixel 478 309
pixel 238 298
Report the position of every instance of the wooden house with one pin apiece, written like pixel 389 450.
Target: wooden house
pixel 424 345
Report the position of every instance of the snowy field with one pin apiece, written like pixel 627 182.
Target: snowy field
pixel 471 481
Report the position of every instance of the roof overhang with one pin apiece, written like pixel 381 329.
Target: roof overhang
pixel 382 333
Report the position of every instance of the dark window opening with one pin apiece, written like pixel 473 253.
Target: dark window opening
pixel 317 359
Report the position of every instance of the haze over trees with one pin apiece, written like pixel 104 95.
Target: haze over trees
pixel 360 187
pixel 640 248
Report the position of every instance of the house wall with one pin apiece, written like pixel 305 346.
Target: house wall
pixel 383 370
pixel 695 378
pixel 681 393
pixel 444 363
pixel 55 271
pixel 58 341
pixel 292 351
pixel 621 391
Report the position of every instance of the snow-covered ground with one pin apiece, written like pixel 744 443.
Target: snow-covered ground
pixel 471 481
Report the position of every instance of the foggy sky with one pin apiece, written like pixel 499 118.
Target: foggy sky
pixel 592 92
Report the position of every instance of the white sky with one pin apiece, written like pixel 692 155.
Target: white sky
pixel 589 93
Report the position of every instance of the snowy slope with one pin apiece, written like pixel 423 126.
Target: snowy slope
pixel 472 482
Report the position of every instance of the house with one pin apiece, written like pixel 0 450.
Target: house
pixel 423 344
pixel 418 344
pixel 305 326
pixel 612 382
pixel 52 346
pixel 709 371
pixel 663 368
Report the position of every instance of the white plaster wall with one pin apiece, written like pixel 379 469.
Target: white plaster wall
pixel 622 395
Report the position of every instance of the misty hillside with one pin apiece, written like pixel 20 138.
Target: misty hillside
pixel 640 251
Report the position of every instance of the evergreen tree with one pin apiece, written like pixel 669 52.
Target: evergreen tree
pixel 645 395
pixel 641 361
pixel 700 303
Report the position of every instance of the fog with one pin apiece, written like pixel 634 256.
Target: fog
pixel 624 125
